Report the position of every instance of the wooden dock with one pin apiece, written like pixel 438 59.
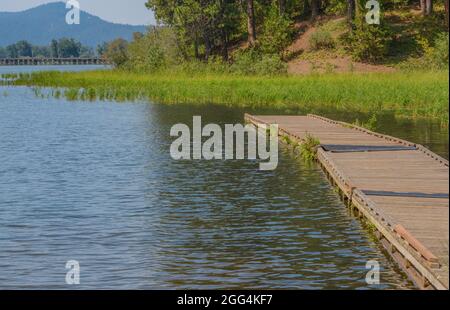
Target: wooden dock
pixel 401 188
pixel 30 61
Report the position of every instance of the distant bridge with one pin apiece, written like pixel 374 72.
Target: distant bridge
pixel 52 61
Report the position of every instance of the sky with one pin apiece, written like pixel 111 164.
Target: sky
pixel 131 12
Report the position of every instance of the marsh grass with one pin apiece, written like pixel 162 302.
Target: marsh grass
pixel 308 148
pixel 419 94
pixel 371 123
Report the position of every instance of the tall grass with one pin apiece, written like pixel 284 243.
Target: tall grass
pixel 409 94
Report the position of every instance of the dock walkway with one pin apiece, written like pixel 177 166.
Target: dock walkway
pixel 38 61
pixel 400 187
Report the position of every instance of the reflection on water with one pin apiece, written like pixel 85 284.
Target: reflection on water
pixel 431 133
pixel 94 182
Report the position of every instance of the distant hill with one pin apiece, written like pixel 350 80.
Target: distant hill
pixel 41 24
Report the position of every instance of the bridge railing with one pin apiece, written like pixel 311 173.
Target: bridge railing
pixel 30 61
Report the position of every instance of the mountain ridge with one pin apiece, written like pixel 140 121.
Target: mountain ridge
pixel 41 24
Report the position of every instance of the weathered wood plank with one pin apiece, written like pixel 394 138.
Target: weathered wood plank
pixel 415 182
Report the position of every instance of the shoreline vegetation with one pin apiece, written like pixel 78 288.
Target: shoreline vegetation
pixel 285 57
pixel 421 94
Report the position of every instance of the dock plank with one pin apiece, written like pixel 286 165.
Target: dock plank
pixel 404 182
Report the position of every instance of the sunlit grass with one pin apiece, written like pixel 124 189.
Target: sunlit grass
pixel 409 94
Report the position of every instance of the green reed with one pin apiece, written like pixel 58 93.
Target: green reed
pixel 408 94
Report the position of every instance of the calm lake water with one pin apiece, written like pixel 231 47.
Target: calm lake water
pixel 94 182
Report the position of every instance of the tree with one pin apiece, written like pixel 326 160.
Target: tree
pixel 101 49
pixel 41 51
pixel 446 12
pixel 429 5
pixel 423 7
pixel 3 52
pixel 350 11
pixel 54 48
pixel 251 23
pixel 276 32
pixel 426 7
pixel 116 52
pixel 203 27
pixel 86 52
pixel 24 49
pixel 11 51
pixel 68 48
pixel 314 9
pixel 282 6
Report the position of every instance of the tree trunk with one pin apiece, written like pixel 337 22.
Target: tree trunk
pixel 306 8
pixel 314 9
pixel 196 52
pixel 429 9
pixel 223 31
pixel 224 45
pixel 350 11
pixel 446 12
pixel 423 7
pixel 207 47
pixel 251 23
pixel 282 6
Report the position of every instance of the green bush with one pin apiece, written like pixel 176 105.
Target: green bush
pixel 308 147
pixel 252 61
pixel 435 57
pixel 368 42
pixel 336 7
pixel 321 39
pixel 439 54
pixel 277 32
pixel 270 65
pixel 117 52
pixel 154 51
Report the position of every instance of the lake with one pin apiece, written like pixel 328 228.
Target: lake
pixel 94 182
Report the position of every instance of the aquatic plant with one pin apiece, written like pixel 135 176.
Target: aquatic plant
pixel 308 147
pixel 423 94
pixel 371 123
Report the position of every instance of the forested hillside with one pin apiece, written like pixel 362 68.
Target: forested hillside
pixel 267 36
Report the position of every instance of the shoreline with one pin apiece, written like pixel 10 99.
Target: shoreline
pixel 422 94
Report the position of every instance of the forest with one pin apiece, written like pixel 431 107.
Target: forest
pixel 62 48
pixel 269 33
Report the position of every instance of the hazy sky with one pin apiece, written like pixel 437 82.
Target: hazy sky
pixel 119 11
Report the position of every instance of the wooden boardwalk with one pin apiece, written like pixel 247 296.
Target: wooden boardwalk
pixel 400 187
pixel 37 61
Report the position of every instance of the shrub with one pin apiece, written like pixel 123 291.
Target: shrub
pixel 368 42
pixel 116 52
pixel 435 56
pixel 321 39
pixel 371 123
pixel 270 65
pixel 336 7
pixel 276 33
pixel 252 61
pixel 308 148
pixel 439 55
pixel 153 51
